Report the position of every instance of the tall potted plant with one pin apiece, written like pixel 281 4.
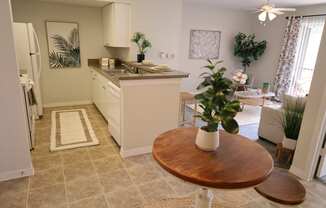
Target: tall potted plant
pixel 248 49
pixel 143 45
pixel 291 123
pixel 215 98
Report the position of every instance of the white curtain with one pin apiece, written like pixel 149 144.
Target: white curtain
pixel 310 32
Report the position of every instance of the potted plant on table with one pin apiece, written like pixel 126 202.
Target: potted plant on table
pixel 291 123
pixel 215 98
pixel 143 45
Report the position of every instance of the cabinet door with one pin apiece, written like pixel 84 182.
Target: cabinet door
pixel 102 95
pixel 107 18
pixel 116 25
pixel 93 76
pixel 121 36
pixel 114 111
pixel 95 89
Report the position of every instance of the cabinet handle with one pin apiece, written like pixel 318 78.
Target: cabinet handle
pixel 103 87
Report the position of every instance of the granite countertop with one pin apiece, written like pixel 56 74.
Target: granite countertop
pixel 121 72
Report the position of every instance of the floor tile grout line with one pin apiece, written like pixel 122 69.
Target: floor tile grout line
pixel 136 186
pixel 98 178
pixel 64 181
pixel 28 191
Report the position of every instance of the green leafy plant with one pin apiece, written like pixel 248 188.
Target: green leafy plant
pixel 248 49
pixel 142 43
pixel 215 98
pixel 67 52
pixel 292 118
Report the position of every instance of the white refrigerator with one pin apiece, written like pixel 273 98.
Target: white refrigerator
pixel 29 58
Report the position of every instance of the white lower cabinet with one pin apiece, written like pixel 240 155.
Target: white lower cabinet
pixel 106 97
pixel 113 93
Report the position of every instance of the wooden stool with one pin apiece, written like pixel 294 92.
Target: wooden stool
pixel 280 149
pixel 283 188
pixel 187 98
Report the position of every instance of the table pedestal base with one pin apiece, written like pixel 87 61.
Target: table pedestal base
pixel 204 198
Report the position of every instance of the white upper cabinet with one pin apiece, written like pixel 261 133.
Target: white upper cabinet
pixel 116 23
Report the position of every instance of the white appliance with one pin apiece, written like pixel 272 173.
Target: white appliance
pixel 27 87
pixel 29 58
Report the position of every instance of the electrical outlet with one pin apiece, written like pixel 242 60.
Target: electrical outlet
pixel 162 55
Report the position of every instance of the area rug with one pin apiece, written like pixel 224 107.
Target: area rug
pixel 71 129
pixel 249 115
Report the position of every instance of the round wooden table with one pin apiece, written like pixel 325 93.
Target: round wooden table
pixel 237 163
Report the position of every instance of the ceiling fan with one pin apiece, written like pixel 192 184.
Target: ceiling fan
pixel 269 10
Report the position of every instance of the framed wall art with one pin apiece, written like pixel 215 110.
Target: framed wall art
pixel 204 44
pixel 63 44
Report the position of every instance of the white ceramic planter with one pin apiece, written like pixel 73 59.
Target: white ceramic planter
pixel 207 141
pixel 289 143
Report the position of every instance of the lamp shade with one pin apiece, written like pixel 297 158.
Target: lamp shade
pixel 262 16
pixel 271 16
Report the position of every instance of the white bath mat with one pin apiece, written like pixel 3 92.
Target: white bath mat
pixel 71 129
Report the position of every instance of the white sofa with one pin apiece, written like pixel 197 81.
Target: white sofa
pixel 270 125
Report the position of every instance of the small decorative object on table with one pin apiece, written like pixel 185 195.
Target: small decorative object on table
pixel 218 107
pixel 240 79
pixel 143 45
pixel 265 89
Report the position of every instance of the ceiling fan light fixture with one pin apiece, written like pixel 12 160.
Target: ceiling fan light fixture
pixel 262 16
pixel 271 16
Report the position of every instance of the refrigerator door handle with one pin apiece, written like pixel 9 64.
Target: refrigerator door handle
pixel 38 52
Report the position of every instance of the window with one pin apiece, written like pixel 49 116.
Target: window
pixel 309 38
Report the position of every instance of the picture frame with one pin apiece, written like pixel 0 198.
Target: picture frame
pixel 63 44
pixel 204 44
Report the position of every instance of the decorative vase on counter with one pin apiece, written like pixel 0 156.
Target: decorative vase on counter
pixel 207 141
pixel 265 88
pixel 140 57
pixel 290 144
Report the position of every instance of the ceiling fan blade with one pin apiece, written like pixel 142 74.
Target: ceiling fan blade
pixel 286 9
pixel 275 11
pixel 257 11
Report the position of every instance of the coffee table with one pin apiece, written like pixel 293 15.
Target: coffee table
pixel 237 163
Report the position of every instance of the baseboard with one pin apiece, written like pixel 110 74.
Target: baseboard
pixel 16 174
pixel 298 172
pixel 135 151
pixel 51 105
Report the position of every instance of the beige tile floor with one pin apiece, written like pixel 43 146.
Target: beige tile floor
pixel 98 177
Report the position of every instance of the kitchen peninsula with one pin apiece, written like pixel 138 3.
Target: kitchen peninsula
pixel 138 102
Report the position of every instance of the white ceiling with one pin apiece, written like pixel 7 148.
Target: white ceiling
pixel 91 3
pixel 250 4
pixel 235 4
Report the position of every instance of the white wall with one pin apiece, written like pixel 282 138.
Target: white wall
pixel 210 17
pixel 314 121
pixel 161 21
pixel 264 69
pixel 64 86
pixel 15 159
